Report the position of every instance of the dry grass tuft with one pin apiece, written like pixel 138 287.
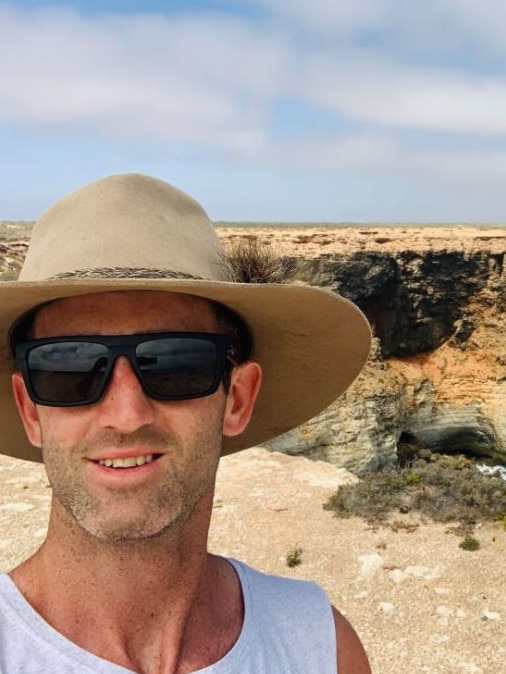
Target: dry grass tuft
pixel 247 260
pixel 294 557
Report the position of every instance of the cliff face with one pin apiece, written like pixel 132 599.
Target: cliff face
pixel 435 298
pixel 414 302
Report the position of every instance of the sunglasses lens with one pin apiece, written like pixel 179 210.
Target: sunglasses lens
pixel 178 367
pixel 67 372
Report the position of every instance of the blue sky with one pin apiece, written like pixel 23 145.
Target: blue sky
pixel 291 110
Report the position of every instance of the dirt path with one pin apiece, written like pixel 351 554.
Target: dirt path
pixel 420 603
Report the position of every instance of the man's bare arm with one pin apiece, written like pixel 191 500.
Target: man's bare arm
pixel 351 656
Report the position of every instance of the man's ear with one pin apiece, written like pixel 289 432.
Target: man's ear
pixel 244 387
pixel 27 410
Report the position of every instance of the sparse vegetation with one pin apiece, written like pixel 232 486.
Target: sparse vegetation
pixel 11 230
pixel 469 543
pixel 249 260
pixel 13 245
pixel 444 488
pixel 9 275
pixel 294 557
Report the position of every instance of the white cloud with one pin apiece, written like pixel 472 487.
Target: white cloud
pixel 383 92
pixel 360 152
pixel 388 155
pixel 215 80
pixel 211 84
pixel 421 28
pixel 369 14
pixel 338 16
pixel 204 80
pixel 476 22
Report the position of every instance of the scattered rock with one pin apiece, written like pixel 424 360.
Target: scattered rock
pixel 470 668
pixel 386 607
pixel 18 507
pixel 370 564
pixel 491 615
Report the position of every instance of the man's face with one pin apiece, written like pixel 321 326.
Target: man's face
pixel 176 444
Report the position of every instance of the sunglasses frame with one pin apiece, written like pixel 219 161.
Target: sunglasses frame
pixel 125 345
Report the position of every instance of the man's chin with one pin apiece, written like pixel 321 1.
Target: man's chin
pixel 123 532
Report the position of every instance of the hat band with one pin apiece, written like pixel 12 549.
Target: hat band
pixel 123 272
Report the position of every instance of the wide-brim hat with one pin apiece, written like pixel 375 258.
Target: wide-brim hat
pixel 134 232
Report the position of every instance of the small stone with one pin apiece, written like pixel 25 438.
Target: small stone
pixel 398 576
pixel 444 611
pixel 490 615
pixel 423 572
pixel 362 595
pixel 469 668
pixel 17 506
pixel 441 639
pixel 370 564
pixel 386 607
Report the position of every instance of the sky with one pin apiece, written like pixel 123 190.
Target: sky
pixel 263 110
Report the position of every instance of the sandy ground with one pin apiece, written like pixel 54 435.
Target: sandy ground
pixel 419 602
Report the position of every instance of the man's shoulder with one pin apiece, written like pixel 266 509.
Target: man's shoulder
pixel 269 582
pixel 290 622
pixel 289 602
pixel 303 615
pixel 9 594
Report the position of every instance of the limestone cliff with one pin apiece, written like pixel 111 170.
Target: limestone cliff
pixel 435 297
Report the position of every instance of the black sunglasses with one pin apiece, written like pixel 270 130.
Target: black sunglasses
pixel 72 371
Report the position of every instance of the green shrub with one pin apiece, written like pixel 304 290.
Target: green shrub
pixel 469 543
pixel 294 557
pixel 444 488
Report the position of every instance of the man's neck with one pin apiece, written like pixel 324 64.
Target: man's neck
pixel 159 605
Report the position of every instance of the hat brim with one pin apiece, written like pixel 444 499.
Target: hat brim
pixel 310 342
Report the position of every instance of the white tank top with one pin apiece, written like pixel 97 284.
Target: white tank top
pixel 288 629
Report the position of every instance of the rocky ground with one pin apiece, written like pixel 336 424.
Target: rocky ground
pixel 346 239
pixel 419 602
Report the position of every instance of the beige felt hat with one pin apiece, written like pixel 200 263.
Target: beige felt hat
pixel 116 233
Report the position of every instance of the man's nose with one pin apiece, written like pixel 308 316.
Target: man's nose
pixel 124 405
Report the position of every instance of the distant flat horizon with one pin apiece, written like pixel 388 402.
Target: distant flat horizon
pixel 296 224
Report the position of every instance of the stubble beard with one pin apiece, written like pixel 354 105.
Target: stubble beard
pixel 142 513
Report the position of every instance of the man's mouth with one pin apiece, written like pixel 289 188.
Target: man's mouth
pixel 129 462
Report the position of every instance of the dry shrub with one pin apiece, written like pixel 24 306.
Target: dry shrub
pixel 446 489
pixel 469 543
pixel 248 260
pixel 294 557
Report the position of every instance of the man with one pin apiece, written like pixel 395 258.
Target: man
pixel 136 361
